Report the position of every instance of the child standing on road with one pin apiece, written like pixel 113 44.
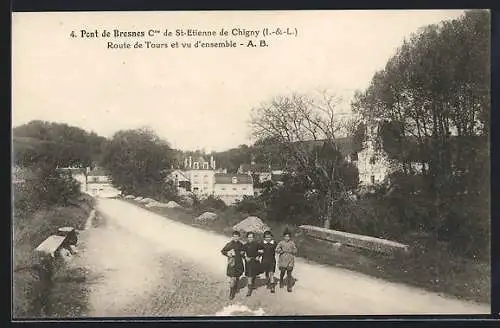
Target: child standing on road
pixel 234 251
pixel 287 251
pixel 268 253
pixel 252 264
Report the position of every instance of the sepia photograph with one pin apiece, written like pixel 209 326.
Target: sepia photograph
pixel 250 163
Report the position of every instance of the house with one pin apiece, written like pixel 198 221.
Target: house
pixel 201 177
pixel 181 180
pixel 231 188
pixel 99 183
pixel 200 174
pixel 197 176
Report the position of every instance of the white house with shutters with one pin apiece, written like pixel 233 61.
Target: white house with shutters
pixel 231 188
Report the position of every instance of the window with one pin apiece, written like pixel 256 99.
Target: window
pixel 205 176
pixel 372 178
pixel 235 188
pixel 196 165
pixel 195 175
pixel 234 180
pixel 205 165
pixel 223 188
pixel 244 188
pixel 94 179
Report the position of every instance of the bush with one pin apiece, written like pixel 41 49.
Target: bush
pixel 371 217
pixel 212 202
pixel 466 227
pixel 250 205
pixel 48 187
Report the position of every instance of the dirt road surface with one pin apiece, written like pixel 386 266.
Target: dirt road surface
pixel 151 266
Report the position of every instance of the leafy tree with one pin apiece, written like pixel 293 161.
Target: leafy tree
pixel 55 144
pixel 138 161
pixel 432 99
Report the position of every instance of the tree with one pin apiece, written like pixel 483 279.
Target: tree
pixel 432 99
pixel 55 144
pixel 307 129
pixel 233 158
pixel 138 161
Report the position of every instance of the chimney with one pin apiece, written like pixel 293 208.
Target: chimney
pixel 190 162
pixel 185 163
pixel 212 162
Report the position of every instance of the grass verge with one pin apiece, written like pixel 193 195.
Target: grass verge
pixel 29 293
pixel 428 266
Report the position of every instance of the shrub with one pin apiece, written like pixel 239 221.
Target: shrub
pixel 250 205
pixel 212 202
pixel 48 187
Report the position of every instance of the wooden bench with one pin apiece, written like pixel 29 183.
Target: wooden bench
pixel 358 241
pixel 65 238
pixel 51 245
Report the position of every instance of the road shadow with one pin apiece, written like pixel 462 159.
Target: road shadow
pixel 261 282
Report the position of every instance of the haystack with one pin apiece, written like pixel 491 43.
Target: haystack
pixel 251 224
pixel 138 198
pixel 146 200
pixel 130 197
pixel 206 217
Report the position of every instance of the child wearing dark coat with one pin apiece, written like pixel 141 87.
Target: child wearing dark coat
pixel 233 250
pixel 252 264
pixel 268 254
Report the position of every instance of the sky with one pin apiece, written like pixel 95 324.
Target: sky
pixel 195 98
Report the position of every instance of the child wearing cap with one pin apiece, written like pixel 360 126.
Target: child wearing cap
pixel 233 250
pixel 287 251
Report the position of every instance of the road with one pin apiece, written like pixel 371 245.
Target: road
pixel 151 266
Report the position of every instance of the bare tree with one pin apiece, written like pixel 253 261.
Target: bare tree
pixel 307 129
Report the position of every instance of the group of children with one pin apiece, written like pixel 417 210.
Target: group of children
pixel 254 258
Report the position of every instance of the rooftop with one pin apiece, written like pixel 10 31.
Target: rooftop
pixel 228 178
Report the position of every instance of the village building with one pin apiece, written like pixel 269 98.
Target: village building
pixel 202 178
pixel 197 176
pixel 99 183
pixel 231 188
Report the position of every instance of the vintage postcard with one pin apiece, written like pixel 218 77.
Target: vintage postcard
pixel 262 163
